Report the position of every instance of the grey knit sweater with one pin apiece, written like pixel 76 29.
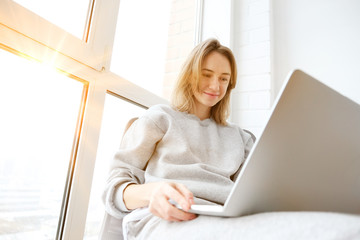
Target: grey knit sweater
pixel 168 145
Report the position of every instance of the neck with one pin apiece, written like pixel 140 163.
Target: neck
pixel 202 114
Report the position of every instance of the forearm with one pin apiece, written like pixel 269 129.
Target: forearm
pixel 137 195
pixel 156 196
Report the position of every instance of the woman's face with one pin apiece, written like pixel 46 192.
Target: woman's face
pixel 214 80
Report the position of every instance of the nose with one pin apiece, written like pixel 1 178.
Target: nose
pixel 214 84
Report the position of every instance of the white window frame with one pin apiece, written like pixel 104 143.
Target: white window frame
pixel 94 51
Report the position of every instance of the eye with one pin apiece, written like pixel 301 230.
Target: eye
pixel 207 75
pixel 224 79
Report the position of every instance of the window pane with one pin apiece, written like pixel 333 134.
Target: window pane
pixel 117 113
pixel 67 14
pixel 39 109
pixel 150 46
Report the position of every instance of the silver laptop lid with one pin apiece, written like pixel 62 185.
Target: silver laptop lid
pixel 307 157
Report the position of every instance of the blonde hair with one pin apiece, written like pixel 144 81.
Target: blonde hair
pixel 188 80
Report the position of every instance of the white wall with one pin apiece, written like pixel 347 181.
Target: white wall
pixel 216 21
pixel 244 26
pixel 272 37
pixel 321 37
pixel 253 95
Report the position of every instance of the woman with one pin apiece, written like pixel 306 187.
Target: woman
pixel 186 152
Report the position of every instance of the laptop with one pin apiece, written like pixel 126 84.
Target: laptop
pixel 307 157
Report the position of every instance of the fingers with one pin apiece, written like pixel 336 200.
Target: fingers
pixel 180 194
pixel 159 203
pixel 167 211
pixel 186 199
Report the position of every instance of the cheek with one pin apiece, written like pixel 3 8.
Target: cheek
pixel 202 84
pixel 197 96
pixel 224 89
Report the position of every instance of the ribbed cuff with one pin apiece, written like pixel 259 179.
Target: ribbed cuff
pixel 119 197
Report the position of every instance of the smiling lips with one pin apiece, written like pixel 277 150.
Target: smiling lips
pixel 211 94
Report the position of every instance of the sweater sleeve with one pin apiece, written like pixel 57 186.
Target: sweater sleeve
pixel 129 163
pixel 248 144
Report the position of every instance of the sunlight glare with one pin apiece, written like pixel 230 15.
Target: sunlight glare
pixel 55 12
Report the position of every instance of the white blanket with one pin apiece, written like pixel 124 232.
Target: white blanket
pixel 264 226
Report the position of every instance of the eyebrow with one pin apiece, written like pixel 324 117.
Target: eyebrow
pixel 205 69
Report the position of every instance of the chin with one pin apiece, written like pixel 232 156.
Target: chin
pixel 213 104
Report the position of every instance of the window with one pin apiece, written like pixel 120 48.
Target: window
pixel 37 128
pixel 117 112
pixel 150 46
pixel 49 167
pixel 55 12
pixel 140 47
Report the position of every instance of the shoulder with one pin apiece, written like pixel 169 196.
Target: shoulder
pixel 246 135
pixel 161 115
pixel 163 108
pixel 159 111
